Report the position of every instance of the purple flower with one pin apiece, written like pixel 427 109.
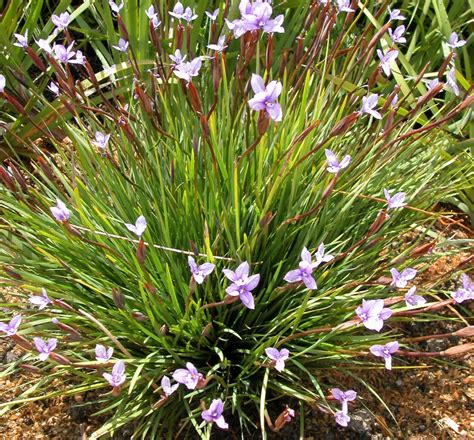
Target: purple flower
pixel 344 397
pixel 289 414
pixel 45 348
pixel 466 291
pixel 188 376
pixel 117 377
pixel 199 273
pixel 242 284
pixel 60 211
pixel 278 357
pixel 212 16
pixel 386 59
pixel 188 70
pixel 219 47
pixel 66 54
pixel 153 16
pixel 12 327
pixel 2 83
pixel 344 6
pixel 385 351
pixel 432 84
pixel 395 15
pixel 454 41
pixel 103 354
pixel 342 418
pixel 372 313
pixel 101 139
pixel 189 15
pixel 334 166
pixel 44 45
pixel 53 88
pixel 321 257
pixel 139 227
pixel 166 386
pixel 178 11
pixel 412 299
pixel 22 40
pixel 397 201
pixel 401 279
pixel 368 105
pixel 451 82
pixel 304 273
pixel 40 300
pixel 177 58
pixel 214 414
pixel 122 45
pixel 61 21
pixel 397 35
pixel 115 8
pixel 266 97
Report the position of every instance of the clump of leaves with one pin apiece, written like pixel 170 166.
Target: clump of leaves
pixel 221 230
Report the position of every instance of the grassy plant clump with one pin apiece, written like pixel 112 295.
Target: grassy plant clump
pixel 214 229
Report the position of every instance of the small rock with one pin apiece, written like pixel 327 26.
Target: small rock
pixel 361 421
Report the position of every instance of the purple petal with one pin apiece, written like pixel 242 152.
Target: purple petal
pixel 242 271
pixel 310 282
pixel 247 299
pixel 293 276
pixel 272 353
pixel 258 86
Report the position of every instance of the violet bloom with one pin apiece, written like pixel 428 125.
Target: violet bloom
pixel 451 82
pixel 266 97
pixel 386 59
pixel 12 327
pixel 385 351
pixel 60 211
pixel 395 15
pixel 2 83
pixel 242 284
pixel 401 279
pixel 278 357
pixel 397 201
pixel 397 35
pixel 103 354
pixel 177 11
pixel 139 227
pixel 66 55
pixel 22 40
pixel 166 386
pixel 61 21
pixel 214 414
pixel 153 16
pixel 466 291
pixel 334 166
pixel 122 45
pixel 344 397
pixel 212 16
pixel 53 88
pixel 117 377
pixel 44 45
pixel 342 418
pixel 189 376
pixel 321 256
pixel 432 84
pixel 258 16
pixel 189 15
pixel 101 139
pixel 454 41
pixel 373 314
pixel 304 273
pixel 80 58
pixel 42 301
pixel 114 7
pixel 368 105
pixel 344 6
pixel 188 70
pixel 45 348
pixel 219 47
pixel 413 300
pixel 200 272
pixel 177 58
pixel 289 414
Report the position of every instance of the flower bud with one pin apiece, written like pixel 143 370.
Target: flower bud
pixel 141 252
pixel 118 298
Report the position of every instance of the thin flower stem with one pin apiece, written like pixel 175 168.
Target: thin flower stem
pixel 163 248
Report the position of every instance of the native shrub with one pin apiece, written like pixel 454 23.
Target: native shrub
pixel 216 232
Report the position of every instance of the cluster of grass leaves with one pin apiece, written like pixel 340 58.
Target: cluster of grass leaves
pixel 210 183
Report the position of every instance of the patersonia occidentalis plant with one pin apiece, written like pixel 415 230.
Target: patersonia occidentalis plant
pixel 178 229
